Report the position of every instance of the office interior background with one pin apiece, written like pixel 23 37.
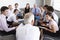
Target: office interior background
pixel 22 4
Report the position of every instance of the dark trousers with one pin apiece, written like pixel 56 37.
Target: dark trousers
pixel 57 34
pixel 3 33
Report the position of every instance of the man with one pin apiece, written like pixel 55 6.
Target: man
pixel 3 23
pixel 13 16
pixel 28 31
pixel 36 11
pixel 45 10
pixel 51 9
pixel 10 10
pixel 17 6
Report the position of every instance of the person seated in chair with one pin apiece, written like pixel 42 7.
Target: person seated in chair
pixel 36 11
pixel 13 18
pixel 52 25
pixel 51 9
pixel 10 10
pixel 4 30
pixel 27 8
pixel 27 31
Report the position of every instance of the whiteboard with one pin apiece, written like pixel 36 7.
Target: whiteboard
pixel 56 4
pixel 21 3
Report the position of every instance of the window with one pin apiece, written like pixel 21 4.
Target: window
pixel 56 5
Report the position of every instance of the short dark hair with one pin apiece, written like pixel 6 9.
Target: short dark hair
pixel 27 4
pixel 3 8
pixel 45 5
pixel 15 10
pixel 50 8
pixel 9 5
pixel 50 14
pixel 16 4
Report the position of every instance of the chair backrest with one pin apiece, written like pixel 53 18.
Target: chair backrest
pixel 48 38
pixel 59 22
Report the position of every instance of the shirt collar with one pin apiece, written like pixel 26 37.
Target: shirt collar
pixel 3 15
pixel 28 24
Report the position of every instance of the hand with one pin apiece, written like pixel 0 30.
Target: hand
pixel 16 27
pixel 46 29
pixel 43 24
pixel 15 24
pixel 42 9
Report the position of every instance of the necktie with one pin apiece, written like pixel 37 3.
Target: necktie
pixel 35 11
pixel 6 17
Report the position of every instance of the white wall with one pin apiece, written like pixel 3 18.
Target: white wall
pixel 48 2
pixel 56 4
pixel 39 2
pixel 21 3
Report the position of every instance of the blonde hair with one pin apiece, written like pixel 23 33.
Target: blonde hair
pixel 28 18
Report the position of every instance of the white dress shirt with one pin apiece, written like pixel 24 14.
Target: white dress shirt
pixel 10 12
pixel 56 28
pixel 37 9
pixel 27 32
pixel 3 24
pixel 55 17
pixel 12 18
pixel 17 8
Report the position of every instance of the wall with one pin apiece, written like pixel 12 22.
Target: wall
pixel 39 2
pixel 22 3
pixel 48 2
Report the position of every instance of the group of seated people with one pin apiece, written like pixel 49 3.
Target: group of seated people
pixel 32 18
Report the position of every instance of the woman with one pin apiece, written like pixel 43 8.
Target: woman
pixel 52 25
pixel 27 8
pixel 51 9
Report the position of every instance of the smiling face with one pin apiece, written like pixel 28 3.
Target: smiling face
pixel 27 5
pixel 16 11
pixel 10 7
pixel 48 17
pixel 5 12
pixel 35 5
pixel 16 5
